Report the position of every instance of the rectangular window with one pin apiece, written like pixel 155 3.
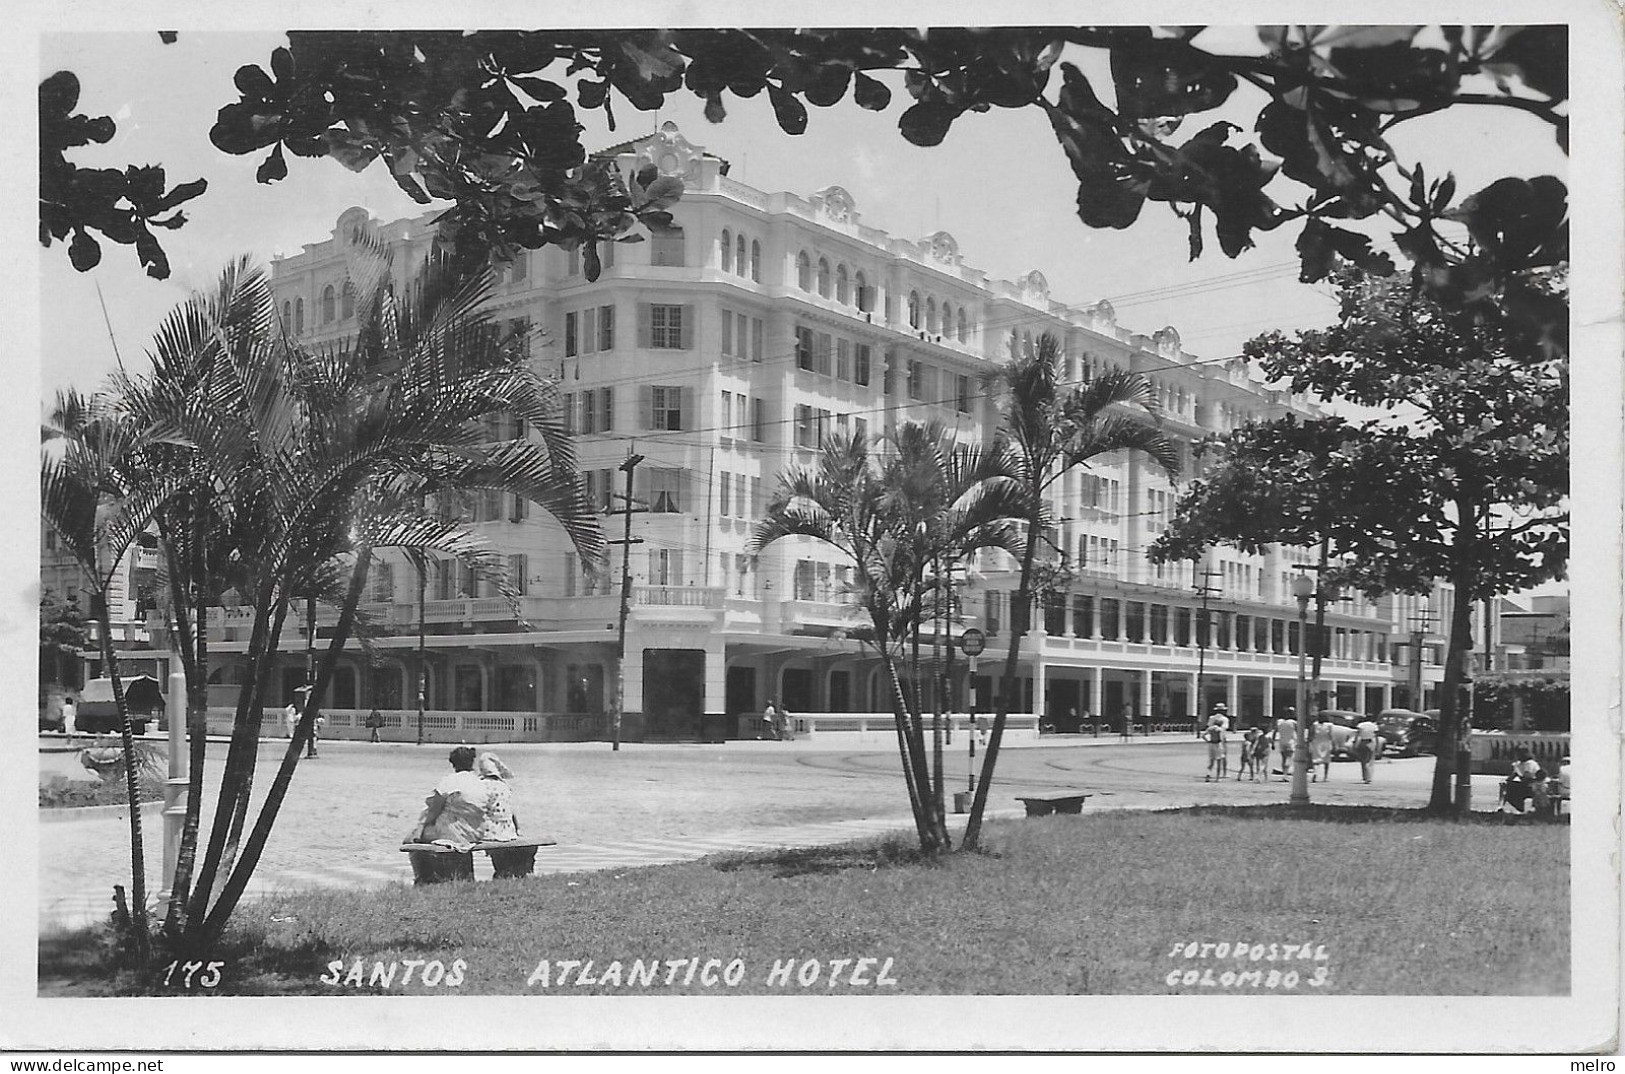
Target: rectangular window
pixel 604 412
pixel 663 406
pixel 665 566
pixel 804 426
pixel 804 348
pixel 758 506
pixel 383 581
pixel 843 359
pixel 821 353
pixel 724 494
pixel 860 364
pixel 606 327
pixel 666 491
pixel 571 336
pixel 860 427
pixel 569 414
pixel 666 327
pixel 516 574
pixel 962 395
pixel 758 423
pixel 727 414
pixel 728 333
pixel 666 246
pixel 916 379
pixel 756 335
pixel 589 331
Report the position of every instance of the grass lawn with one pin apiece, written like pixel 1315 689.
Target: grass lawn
pixel 1386 902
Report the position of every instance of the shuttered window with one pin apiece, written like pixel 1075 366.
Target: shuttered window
pixel 665 327
pixel 666 407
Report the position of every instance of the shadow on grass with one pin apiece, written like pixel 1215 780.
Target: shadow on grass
pixel 803 861
pixel 1350 814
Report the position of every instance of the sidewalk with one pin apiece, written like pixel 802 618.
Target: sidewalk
pixel 80 909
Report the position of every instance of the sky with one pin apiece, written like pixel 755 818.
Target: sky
pixel 999 183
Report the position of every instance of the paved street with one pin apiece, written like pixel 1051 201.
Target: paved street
pixel 348 809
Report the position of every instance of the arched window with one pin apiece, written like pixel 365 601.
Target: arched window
pixel 931 315
pixel 914 309
pixel 739 256
pixel 298 315
pixel 804 271
pixel 756 260
pixel 329 304
pixel 823 277
pixel 287 315
pixel 843 288
pixel 961 324
pixel 347 301
pixel 947 320
pixel 865 301
pixel 727 250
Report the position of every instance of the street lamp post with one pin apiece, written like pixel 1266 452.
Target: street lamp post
pixel 1303 588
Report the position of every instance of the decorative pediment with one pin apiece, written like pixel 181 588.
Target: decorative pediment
pixel 836 204
pixel 1103 314
pixel 1034 287
pixel 671 153
pixel 352 224
pixel 1167 341
pixel 944 248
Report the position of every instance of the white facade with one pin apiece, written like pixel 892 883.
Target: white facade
pixel 720 352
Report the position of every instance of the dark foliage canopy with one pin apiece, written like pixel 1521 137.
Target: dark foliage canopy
pixel 488 120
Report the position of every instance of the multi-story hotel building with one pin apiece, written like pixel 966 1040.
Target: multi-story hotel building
pixel 721 350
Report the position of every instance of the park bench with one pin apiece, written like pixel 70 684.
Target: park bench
pixel 434 864
pixel 1043 806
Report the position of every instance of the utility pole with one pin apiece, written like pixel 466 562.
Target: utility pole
pixel 626 543
pixel 1203 625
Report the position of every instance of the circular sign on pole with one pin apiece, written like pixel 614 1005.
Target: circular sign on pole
pixel 973 641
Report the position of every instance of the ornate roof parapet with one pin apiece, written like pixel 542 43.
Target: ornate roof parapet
pixel 943 249
pixel 834 204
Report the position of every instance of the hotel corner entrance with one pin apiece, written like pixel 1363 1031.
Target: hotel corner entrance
pixel 673 693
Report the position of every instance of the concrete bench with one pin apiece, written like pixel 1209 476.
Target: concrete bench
pixel 1043 806
pixel 434 864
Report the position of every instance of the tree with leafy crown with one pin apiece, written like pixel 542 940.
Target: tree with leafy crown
pixel 1463 478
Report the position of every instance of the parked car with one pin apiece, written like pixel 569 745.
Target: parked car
pixel 1409 733
pixel 99 715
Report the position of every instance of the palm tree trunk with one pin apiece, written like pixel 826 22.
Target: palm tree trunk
pixel 916 800
pixel 1020 611
pixel 237 881
pixel 261 652
pixel 257 716
pixel 132 787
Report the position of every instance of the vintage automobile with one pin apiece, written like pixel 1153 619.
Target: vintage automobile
pixel 1408 733
pixel 143 698
pixel 1343 724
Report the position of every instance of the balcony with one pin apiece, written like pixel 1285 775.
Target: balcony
pixel 820 616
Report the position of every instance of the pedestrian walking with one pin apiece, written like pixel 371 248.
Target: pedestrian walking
pixel 770 721
pixel 1218 728
pixel 70 715
pixel 375 721
pixel 1365 746
pixel 1128 721
pixel 782 726
pixel 1320 750
pixel 315 733
pixel 1286 740
pixel 290 719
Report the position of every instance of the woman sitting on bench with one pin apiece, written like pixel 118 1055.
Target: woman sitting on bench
pixel 1526 781
pixel 468 806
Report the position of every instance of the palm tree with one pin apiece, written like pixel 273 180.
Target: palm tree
pixel 1046 430
pixel 302 465
pixel 92 495
pixel 893 513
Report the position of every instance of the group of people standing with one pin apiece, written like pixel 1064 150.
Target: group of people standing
pixel 1258 743
pixel 776 723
